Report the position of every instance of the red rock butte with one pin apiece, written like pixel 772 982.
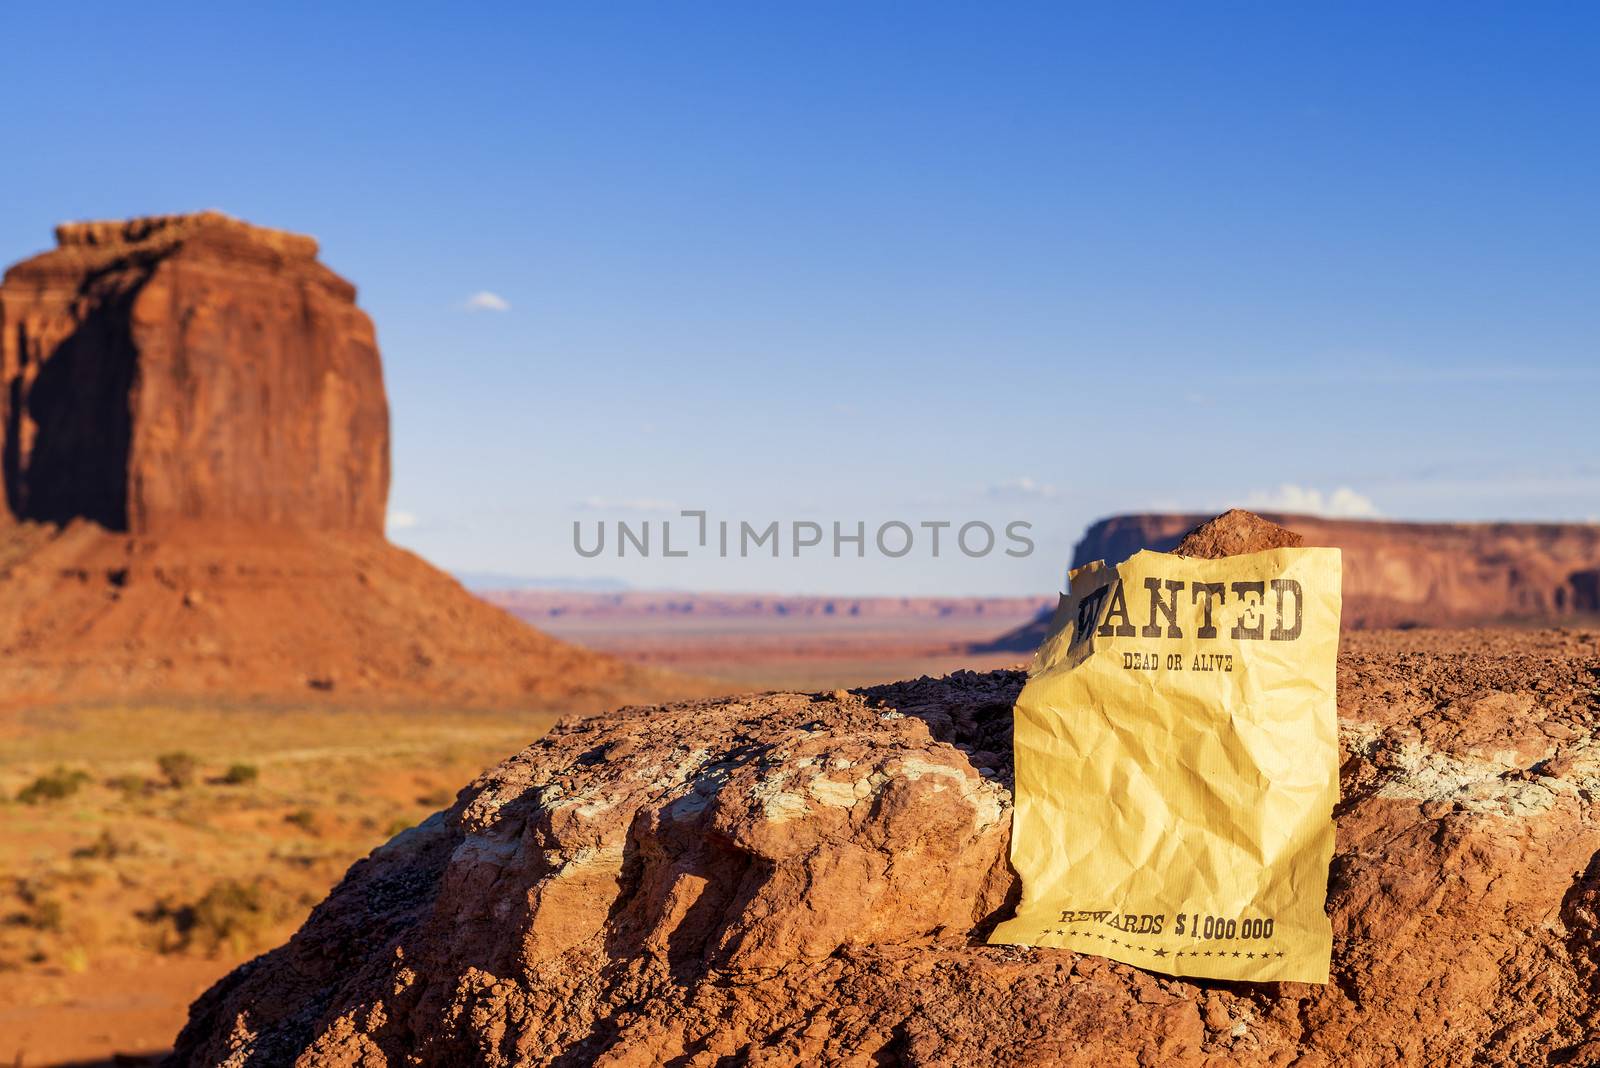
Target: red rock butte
pixel 190 368
pixel 194 441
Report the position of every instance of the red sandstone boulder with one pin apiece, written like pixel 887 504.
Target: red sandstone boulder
pixel 794 880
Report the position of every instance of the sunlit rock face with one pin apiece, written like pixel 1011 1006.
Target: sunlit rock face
pixel 189 368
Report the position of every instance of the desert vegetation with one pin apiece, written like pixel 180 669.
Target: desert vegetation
pixel 129 854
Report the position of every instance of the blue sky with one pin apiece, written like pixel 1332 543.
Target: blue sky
pixel 817 262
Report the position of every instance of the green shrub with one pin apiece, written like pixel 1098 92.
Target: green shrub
pixel 303 818
pixel 108 846
pixel 179 769
pixel 130 786
pixel 230 915
pixel 53 786
pixel 40 911
pixel 45 914
pixel 241 775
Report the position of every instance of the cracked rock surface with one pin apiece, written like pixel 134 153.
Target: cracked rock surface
pixel 794 879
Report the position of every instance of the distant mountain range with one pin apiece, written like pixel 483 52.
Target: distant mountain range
pixel 541 604
pixel 483 581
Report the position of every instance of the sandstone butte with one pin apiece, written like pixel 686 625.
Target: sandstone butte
pixel 794 879
pixel 194 444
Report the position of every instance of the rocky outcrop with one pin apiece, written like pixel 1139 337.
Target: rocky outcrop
pixel 189 368
pixel 195 449
pixel 1234 532
pixel 807 879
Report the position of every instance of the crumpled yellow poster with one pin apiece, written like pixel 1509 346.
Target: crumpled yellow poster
pixel 1177 764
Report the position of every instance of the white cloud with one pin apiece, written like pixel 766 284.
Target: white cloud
pixel 1343 502
pixel 626 504
pixel 484 300
pixel 398 520
pixel 1022 487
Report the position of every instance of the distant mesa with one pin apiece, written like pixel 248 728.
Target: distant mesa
pixel 194 445
pixel 1396 574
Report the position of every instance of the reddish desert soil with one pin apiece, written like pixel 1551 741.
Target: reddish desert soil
pixel 105 934
pixel 122 1013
